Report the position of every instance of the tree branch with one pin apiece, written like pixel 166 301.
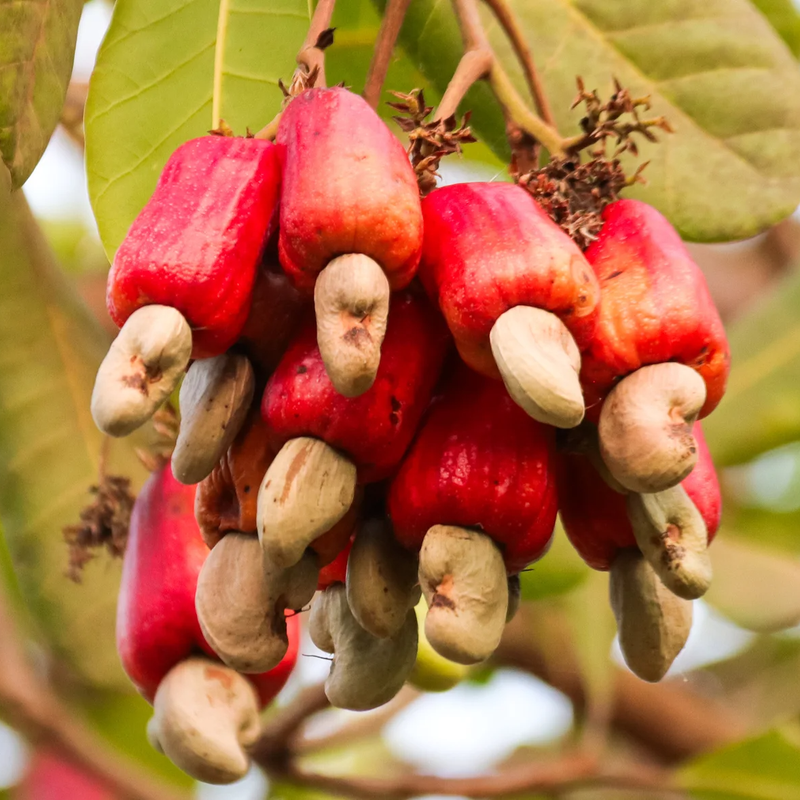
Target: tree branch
pixel 391 24
pixel 505 16
pixel 277 741
pixel 310 56
pixel 568 772
pixel 673 722
pixel 514 107
pixel 34 709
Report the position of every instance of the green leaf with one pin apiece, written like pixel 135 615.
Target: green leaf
pixel 49 446
pixel 755 587
pixel 761 408
pixel 716 70
pixel 783 16
pixel 37 44
pixel 763 768
pixel 167 71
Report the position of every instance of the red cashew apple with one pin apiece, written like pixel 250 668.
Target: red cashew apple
pixel 196 245
pixel 330 443
pixel 275 314
pixel 476 496
pixel 162 647
pixel 181 282
pixel 654 546
pixel 517 293
pixel 659 358
pixel 350 225
pixel 50 776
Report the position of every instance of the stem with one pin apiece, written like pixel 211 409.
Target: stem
pixel 310 56
pixel 571 771
pixel 514 107
pixel 34 709
pixel 473 66
pixel 391 24
pixel 505 16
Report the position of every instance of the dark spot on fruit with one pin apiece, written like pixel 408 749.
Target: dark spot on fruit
pixel 246 489
pixel 357 336
pixel 302 369
pixel 394 418
pixel 614 274
pixel 396 404
pixel 442 601
pixel 136 381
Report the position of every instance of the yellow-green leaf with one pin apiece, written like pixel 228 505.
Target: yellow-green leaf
pixel 37 45
pixel 167 71
pixel 761 408
pixel 717 70
pixel 49 446
pixel 763 768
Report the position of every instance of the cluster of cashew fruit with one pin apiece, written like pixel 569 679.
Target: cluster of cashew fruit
pixel 385 396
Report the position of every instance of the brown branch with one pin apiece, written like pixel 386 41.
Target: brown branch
pixel 514 107
pixel 358 728
pixel 505 16
pixel 391 24
pixel 311 57
pixel 675 723
pixel 277 741
pixel 568 772
pixel 474 65
pixel 34 709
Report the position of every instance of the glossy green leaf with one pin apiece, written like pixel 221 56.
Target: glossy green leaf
pixel 37 44
pixel 784 17
pixel 167 71
pixel 49 446
pixel 717 70
pixel 761 408
pixel 763 768
pixel 755 587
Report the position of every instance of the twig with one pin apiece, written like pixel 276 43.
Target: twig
pixel 569 772
pixel 358 728
pixel 474 65
pixel 311 57
pixel 391 24
pixel 310 63
pixel 276 744
pixel 34 709
pixel 505 16
pixel 673 722
pixel 514 107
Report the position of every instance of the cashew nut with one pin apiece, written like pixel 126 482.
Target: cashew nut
pixel 653 623
pixel 205 716
pixel 672 536
pixel 215 397
pixel 366 671
pixel 381 580
pixel 240 602
pixel 464 581
pixel 307 489
pixel 141 369
pixel 645 427
pixel 351 301
pixel 539 362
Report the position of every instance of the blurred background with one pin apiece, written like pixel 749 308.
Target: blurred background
pixel 744 642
